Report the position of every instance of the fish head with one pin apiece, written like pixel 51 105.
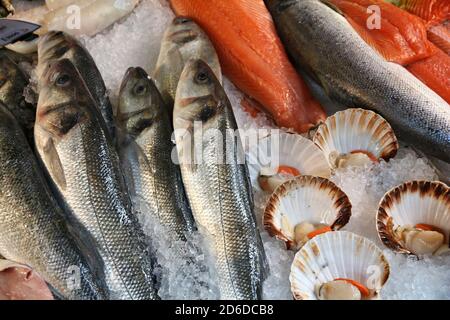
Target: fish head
pixel 140 103
pixel 199 96
pixel 182 31
pixel 55 45
pixel 64 101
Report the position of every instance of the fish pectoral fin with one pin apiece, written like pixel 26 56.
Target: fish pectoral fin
pixel 53 163
pixel 332 6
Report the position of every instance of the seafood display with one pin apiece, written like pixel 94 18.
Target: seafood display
pixel 147 153
pixel 218 185
pixel 252 56
pixel 355 75
pixel 237 150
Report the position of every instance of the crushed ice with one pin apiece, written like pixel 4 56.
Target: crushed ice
pixel 184 270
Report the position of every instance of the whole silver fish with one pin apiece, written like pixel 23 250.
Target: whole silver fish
pixel 32 228
pixel 183 40
pixel 12 84
pixel 351 72
pixel 79 155
pixel 56 45
pixel 217 185
pixel 147 153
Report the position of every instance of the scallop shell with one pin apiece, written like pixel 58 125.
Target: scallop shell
pixel 412 203
pixel 334 255
pixel 356 130
pixel 305 198
pixel 293 150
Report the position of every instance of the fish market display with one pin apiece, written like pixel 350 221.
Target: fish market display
pixel 57 45
pixel 414 218
pixel 356 137
pixel 338 266
pixel 281 156
pixel 305 207
pixel 253 57
pixel 32 228
pixel 19 282
pixel 192 185
pixel 353 74
pixel 12 84
pixel 155 179
pixel 217 183
pixel 79 155
pixel 183 40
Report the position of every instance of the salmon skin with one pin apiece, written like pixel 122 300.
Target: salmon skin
pixel 353 74
pixel 400 37
pixel 434 72
pixel 253 57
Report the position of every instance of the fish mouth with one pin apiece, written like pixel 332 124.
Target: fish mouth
pixel 132 72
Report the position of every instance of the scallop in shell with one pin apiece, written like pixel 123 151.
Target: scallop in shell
pixel 356 137
pixel 281 156
pixel 414 218
pixel 300 208
pixel 328 260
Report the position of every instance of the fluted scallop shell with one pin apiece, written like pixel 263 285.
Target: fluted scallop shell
pixel 290 150
pixel 412 203
pixel 305 198
pixel 334 255
pixel 356 130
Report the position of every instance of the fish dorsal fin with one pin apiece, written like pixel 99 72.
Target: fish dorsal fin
pixel 53 163
pixel 332 6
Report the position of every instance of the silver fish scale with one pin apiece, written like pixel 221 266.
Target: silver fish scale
pixel 159 180
pixel 95 195
pixel 351 72
pixel 32 230
pixel 220 198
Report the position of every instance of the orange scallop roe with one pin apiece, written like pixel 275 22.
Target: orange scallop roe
pixel 288 170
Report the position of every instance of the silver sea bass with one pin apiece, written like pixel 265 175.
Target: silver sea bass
pixel 217 185
pixel 146 154
pixel 33 231
pixel 73 142
pixel 322 41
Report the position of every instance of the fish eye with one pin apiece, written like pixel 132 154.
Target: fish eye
pixel 202 77
pixel 62 80
pixel 140 89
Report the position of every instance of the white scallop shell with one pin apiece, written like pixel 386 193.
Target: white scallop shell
pixel 412 203
pixel 305 198
pixel 356 130
pixel 287 149
pixel 334 255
